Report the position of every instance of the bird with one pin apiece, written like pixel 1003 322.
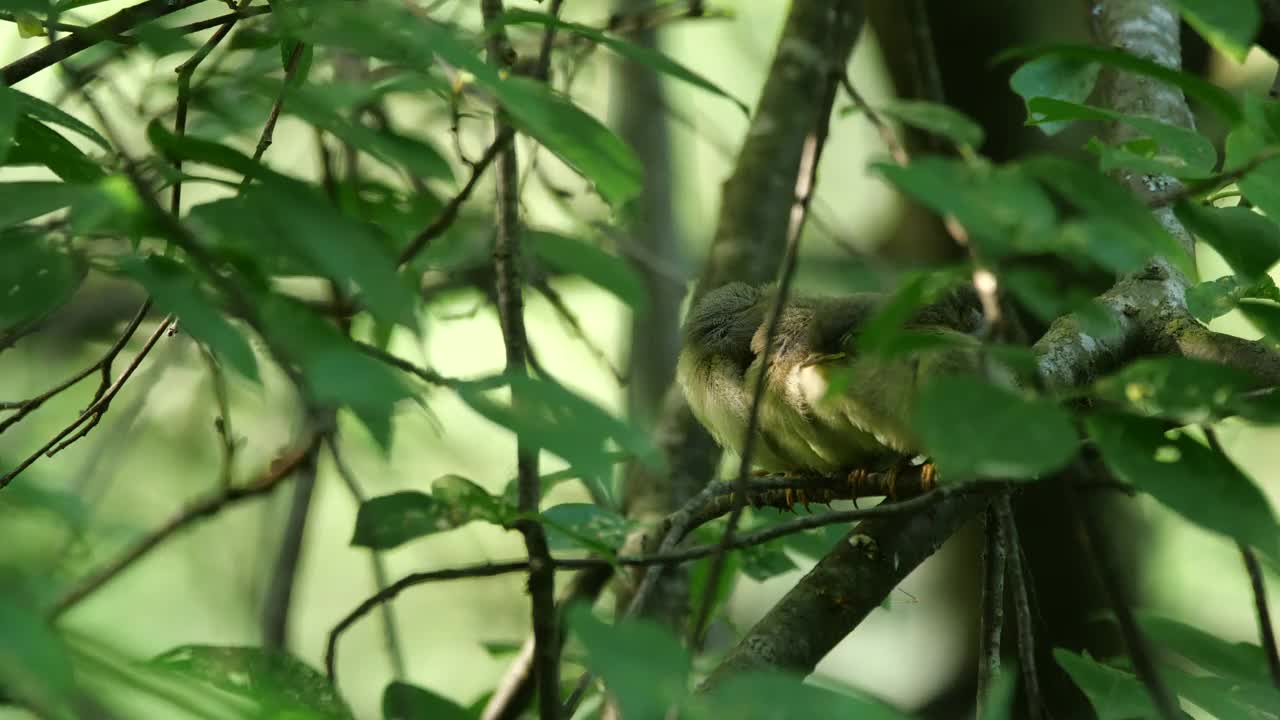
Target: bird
pixel 804 425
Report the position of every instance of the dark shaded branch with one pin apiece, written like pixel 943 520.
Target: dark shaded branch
pixel 103 30
pixel 1139 651
pixel 994 559
pixel 1022 610
pixel 279 470
pixel 279 596
pixel 269 128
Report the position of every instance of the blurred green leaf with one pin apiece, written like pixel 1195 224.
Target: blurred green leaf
pixel 402 701
pixel 35 277
pixel 1228 25
pixel 761 562
pixel 1248 241
pixel 336 372
pixel 34 143
pixel 1203 486
pixel 996 206
pixel 42 110
pixel 21 201
pixel 391 520
pixel 879 334
pixel 1215 298
pixel 938 119
pixel 1114 694
pixel 1045 295
pixel 289 215
pixel 280 684
pixel 638 53
pixel 176 290
pixel 1223 698
pixel 642 664
pixel 1115 211
pixel 301 68
pixel 8 121
pixel 571 526
pixel 35 666
pixel 1020 438
pixel 1219 100
pixel 550 417
pixel 1238 662
pixel 757 695
pixel 1051 76
pixel 1187 390
pixel 1264 315
pixel 607 271
pixel 1001 694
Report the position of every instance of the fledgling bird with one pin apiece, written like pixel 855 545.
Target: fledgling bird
pixel 864 425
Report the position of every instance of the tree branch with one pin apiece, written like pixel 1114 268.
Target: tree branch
pixel 1021 609
pixel 994 559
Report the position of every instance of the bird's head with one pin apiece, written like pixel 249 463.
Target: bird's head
pixel 723 321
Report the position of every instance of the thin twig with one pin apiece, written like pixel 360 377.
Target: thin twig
pixel 185 71
pixel 222 422
pixel 887 135
pixel 672 557
pixel 211 505
pixel 1021 608
pixel 510 301
pixel 806 176
pixel 269 128
pixel 449 213
pixel 25 407
pixel 1266 632
pixel 575 327
pixel 92 414
pixel 1139 652
pixel 103 30
pixel 390 628
pixel 994 559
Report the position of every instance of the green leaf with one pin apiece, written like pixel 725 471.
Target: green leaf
pixel 757 695
pixel 1239 662
pixel 1248 241
pixel 1114 694
pixel 1228 25
pixel 280 684
pixel 1265 316
pixel 392 520
pixel 1019 438
pixel 1189 478
pixel 1115 212
pixel 402 701
pixel 548 416
pixel 1051 76
pixel 1183 389
pixel 761 562
pixel 34 143
pixel 1223 698
pixel 390 33
pixel 39 109
pixel 22 201
pixel 35 277
pixel 176 290
pixel 8 121
pixel 936 118
pixel 998 207
pixel 571 526
pixel 1197 88
pixel 642 664
pixel 335 370
pixel 291 216
pixel 643 55
pixel 880 333
pixel 1215 298
pixel 607 271
pixel 302 66
pixel 35 666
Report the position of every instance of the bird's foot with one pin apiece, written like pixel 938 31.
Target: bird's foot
pixel 928 476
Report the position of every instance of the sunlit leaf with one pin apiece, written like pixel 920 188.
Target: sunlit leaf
pixel 1203 486
pixel 1215 298
pixel 280 684
pixel 391 520
pixel 760 695
pixel 1019 438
